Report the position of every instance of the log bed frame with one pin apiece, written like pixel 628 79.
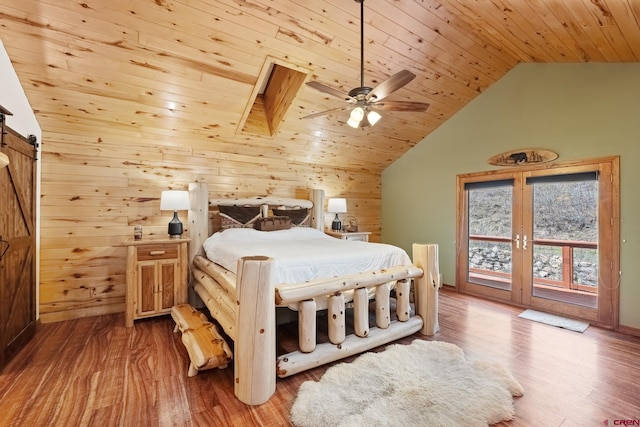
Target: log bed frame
pixel 245 304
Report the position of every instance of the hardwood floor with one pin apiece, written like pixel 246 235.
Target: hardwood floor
pixel 96 372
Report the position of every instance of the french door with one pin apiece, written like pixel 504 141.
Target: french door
pixel 543 237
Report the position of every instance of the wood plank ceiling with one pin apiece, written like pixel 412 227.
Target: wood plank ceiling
pixel 193 67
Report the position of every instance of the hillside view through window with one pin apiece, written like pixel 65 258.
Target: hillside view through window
pixel 562 211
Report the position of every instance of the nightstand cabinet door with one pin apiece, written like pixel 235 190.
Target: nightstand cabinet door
pixel 156 287
pixel 156 278
pixel 146 286
pixel 168 296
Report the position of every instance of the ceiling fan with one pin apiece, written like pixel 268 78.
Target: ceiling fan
pixel 364 100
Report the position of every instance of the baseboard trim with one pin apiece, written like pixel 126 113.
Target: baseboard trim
pixel 629 330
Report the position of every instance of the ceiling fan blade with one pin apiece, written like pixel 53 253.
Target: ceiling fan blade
pixel 322 113
pixel 391 85
pixel 327 89
pixel 399 106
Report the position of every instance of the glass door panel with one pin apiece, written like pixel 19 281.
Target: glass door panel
pixel 490 249
pixel 489 238
pixel 565 238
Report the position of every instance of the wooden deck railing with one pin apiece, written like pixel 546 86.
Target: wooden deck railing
pixel 567 261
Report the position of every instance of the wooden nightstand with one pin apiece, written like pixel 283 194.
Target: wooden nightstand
pixel 156 277
pixel 362 236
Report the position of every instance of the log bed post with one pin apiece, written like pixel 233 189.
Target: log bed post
pixel 307 315
pixel 198 229
pixel 361 312
pixel 198 217
pixel 336 318
pixel 383 316
pixel 255 344
pixel 425 256
pixel 403 305
pixel 317 212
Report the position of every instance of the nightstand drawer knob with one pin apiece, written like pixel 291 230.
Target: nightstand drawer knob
pixel 157 252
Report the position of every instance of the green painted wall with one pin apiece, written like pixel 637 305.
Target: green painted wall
pixel 577 110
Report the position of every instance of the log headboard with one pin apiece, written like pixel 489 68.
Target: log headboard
pixel 201 227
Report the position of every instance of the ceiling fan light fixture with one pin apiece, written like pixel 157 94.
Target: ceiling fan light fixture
pixel 361 117
pixel 357 114
pixel 353 123
pixel 373 117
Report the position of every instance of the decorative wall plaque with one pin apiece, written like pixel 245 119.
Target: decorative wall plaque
pixel 526 156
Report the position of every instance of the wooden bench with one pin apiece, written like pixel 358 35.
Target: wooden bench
pixel 206 347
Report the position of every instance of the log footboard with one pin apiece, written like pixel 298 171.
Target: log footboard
pixel 255 344
pixel 246 312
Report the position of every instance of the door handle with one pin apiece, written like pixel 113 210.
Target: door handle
pixel 517 240
pixel 524 242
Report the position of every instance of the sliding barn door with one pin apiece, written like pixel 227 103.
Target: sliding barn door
pixel 17 246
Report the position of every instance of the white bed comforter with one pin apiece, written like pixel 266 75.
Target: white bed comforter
pixel 302 253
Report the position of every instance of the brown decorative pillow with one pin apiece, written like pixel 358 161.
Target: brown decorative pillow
pixel 299 217
pixel 272 223
pixel 238 216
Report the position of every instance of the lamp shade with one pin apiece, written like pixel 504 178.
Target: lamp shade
pixel 174 200
pixel 337 205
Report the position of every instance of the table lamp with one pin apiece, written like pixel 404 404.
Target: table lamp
pixel 337 206
pixel 174 200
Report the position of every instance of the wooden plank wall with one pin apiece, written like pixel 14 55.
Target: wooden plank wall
pixel 98 183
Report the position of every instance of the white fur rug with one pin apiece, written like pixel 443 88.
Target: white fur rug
pixel 427 383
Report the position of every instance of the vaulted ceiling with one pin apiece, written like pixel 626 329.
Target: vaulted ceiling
pixel 191 70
